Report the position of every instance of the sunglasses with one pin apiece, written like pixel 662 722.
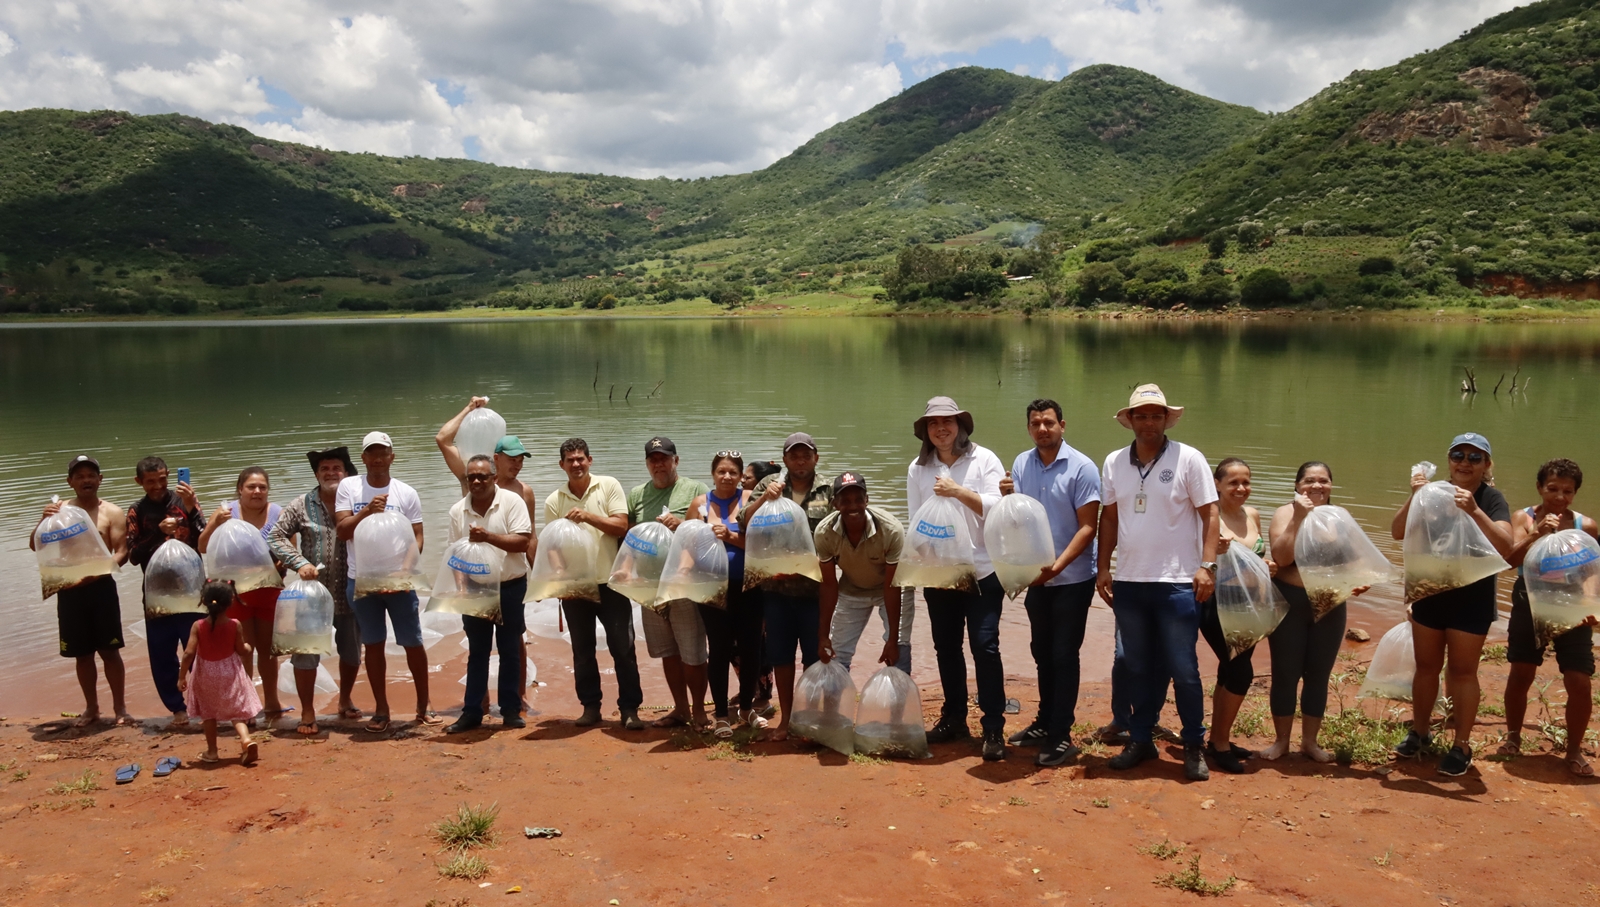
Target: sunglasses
pixel 1473 457
pixel 472 477
pixel 730 453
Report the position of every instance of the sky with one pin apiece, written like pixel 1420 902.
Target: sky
pixel 680 88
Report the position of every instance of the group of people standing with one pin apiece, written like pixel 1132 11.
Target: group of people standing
pixel 1142 531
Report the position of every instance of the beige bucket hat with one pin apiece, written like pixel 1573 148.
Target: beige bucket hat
pixel 941 406
pixel 1148 395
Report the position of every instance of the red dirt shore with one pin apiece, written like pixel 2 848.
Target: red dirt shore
pixel 659 817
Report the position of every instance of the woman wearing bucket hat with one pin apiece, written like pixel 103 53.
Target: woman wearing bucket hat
pixel 973 478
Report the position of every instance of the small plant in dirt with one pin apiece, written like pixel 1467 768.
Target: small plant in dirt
pixel 471 826
pixel 1491 709
pixel 174 855
pixel 1163 849
pixel 155 894
pixel 1102 802
pixel 465 866
pixel 864 759
pixel 79 785
pixel 1190 879
pixel 1252 720
pixel 725 750
pixel 1384 860
pixel 1495 654
pixel 1016 801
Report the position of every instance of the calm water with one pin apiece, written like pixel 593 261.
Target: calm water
pixel 1369 399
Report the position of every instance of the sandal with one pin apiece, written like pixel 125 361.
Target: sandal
pixel 166 765
pixel 350 714
pixel 723 729
pixel 306 729
pixel 430 719
pixel 753 720
pixel 1580 766
pixel 127 773
pixel 1509 748
pixel 378 725
pixel 208 757
pixel 251 752
pixel 671 719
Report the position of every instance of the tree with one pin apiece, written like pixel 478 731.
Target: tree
pixel 1099 282
pixel 1264 287
pixel 1217 244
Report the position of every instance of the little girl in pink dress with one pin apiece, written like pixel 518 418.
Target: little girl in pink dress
pixel 213 676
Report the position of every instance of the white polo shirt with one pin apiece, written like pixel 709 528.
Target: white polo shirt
pixel 507 515
pixel 1162 544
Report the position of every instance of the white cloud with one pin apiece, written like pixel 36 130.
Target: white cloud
pixel 208 88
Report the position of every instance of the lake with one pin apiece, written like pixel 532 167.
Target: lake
pixel 1370 398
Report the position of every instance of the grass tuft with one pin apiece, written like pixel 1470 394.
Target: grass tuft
pixel 726 749
pixel 174 855
pixel 1016 801
pixel 1163 849
pixel 471 826
pixel 1102 802
pixel 1191 880
pixel 155 894
pixel 1495 654
pixel 1385 860
pixel 81 785
pixel 864 759
pixel 465 866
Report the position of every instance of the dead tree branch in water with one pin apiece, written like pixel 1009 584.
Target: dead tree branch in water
pixel 1498 383
pixel 1470 384
pixel 1514 379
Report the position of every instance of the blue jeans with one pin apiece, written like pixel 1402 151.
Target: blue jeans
pixel 952 615
pixel 164 637
pixel 851 615
pixel 506 637
pixel 1159 624
pixel 1057 617
pixel 615 613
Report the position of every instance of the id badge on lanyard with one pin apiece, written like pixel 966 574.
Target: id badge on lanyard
pixel 1139 502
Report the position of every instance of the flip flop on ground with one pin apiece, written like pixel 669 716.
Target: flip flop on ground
pixel 127 773
pixel 350 714
pixel 307 729
pixel 430 719
pixel 378 724
pixel 166 765
pixel 1580 766
pixel 252 751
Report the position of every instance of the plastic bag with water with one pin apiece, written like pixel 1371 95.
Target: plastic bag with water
pixel 173 578
pixel 237 551
pixel 1562 574
pixel 480 431
pixel 636 573
pixel 1444 548
pixel 325 684
pixel 1016 532
pixel 1335 556
pixel 1393 666
pixel 825 707
pixel 469 580
pixel 303 623
pixel 387 559
pixel 69 550
pixel 778 543
pixel 696 567
pixel 564 566
pixel 1249 606
pixel 938 552
pixel 889 717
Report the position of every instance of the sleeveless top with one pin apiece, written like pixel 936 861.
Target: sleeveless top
pixel 726 512
pixel 216 642
pixel 273 512
pixel 1577 523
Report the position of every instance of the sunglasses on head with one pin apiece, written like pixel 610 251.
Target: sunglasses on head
pixel 730 453
pixel 1471 456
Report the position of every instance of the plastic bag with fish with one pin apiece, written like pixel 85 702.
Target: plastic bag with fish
pixel 696 568
pixel 1444 548
pixel 70 550
pixel 825 707
pixel 778 542
pixel 386 554
pixel 1393 666
pixel 173 578
pixel 1562 575
pixel 1249 606
pixel 468 581
pixel 237 551
pixel 564 566
pixel 938 552
pixel 1335 556
pixel 480 431
pixel 889 716
pixel 1016 532
pixel 636 573
pixel 303 622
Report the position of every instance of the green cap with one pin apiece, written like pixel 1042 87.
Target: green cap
pixel 511 446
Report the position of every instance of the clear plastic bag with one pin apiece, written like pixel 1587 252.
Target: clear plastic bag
pixel 1016 532
pixel 303 623
pixel 1249 606
pixel 325 684
pixel 1393 666
pixel 778 543
pixel 237 551
pixel 469 580
pixel 385 549
pixel 480 431
pixel 173 578
pixel 636 573
pixel 938 552
pixel 696 567
pixel 1335 556
pixel 825 707
pixel 564 566
pixel 69 550
pixel 1444 549
pixel 1562 574
pixel 889 716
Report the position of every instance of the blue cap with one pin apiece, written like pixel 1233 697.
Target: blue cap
pixel 1472 439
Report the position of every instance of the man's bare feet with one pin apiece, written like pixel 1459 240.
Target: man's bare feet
pixel 670 719
pixel 180 720
pixel 349 712
pixel 701 720
pixel 87 718
pixel 124 719
pixel 1315 753
pixel 776 734
pixel 1276 751
pixel 307 729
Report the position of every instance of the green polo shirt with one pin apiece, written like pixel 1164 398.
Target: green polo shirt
pixel 861 567
pixel 645 501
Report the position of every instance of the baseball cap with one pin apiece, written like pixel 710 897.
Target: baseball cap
pixel 849 480
pixel 376 439
pixel 659 444
pixel 82 460
pixel 798 439
pixel 511 446
pixel 1472 439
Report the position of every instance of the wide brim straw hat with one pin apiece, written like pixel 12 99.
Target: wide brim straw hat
pixel 1148 395
pixel 941 406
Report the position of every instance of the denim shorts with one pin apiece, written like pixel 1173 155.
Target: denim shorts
pixel 404 611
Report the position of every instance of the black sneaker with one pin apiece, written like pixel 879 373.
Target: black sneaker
pixel 1413 745
pixel 1194 763
pixel 1132 755
pixel 464 724
pixel 994 746
pixel 1032 735
pixel 1228 760
pixel 1060 754
pixel 948 729
pixel 1456 762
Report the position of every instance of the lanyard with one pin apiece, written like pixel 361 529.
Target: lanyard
pixel 1140 500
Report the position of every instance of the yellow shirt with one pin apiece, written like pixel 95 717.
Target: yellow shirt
pixel 603 497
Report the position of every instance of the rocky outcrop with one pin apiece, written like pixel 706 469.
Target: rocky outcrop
pixel 1497 121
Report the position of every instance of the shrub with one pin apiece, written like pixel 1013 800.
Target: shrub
pixel 1264 287
pixel 1376 264
pixel 1099 282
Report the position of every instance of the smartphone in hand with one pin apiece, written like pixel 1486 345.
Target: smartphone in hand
pixel 183 476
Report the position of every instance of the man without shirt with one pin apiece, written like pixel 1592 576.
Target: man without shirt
pixel 859 546
pixel 162 514
pixel 88 613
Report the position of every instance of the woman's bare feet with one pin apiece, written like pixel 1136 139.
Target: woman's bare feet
pixel 124 719
pixel 776 734
pixel 1276 751
pixel 87 718
pixel 1315 753
pixel 670 719
pixel 1512 746
pixel 701 720
pixel 180 720
pixel 1579 766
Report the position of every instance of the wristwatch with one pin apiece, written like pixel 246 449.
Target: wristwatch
pixel 1209 565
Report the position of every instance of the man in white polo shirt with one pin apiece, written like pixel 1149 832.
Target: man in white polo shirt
pixel 499 517
pixel 1159 515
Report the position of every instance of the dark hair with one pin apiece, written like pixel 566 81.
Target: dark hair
pixel 572 444
pixel 481 458
pixel 246 473
pixel 1300 473
pixel 963 441
pixel 738 463
pixel 216 596
pixel 763 468
pixel 1042 404
pixel 148 465
pixel 1225 465
pixel 1561 468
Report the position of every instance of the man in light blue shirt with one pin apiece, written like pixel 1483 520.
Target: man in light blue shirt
pixel 1067 483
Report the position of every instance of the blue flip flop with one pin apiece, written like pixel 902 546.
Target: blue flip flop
pixel 127 773
pixel 166 765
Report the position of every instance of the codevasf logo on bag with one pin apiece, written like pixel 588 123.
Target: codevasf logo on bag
pixel 936 530
pixel 59 535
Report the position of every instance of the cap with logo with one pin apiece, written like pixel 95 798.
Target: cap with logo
pixel 799 439
pixel 1472 439
pixel 376 439
pixel 82 460
pixel 660 445
pixel 511 446
pixel 849 480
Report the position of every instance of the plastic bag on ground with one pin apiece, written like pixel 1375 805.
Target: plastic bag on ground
pixel 173 578
pixel 325 684
pixel 69 550
pixel 1335 556
pixel 387 559
pixel 564 566
pixel 237 551
pixel 938 552
pixel 1444 549
pixel 303 623
pixel 1249 606
pixel 889 717
pixel 696 567
pixel 1562 573
pixel 636 573
pixel 825 707
pixel 1393 666
pixel 480 431
pixel 1016 533
pixel 469 580
pixel 778 543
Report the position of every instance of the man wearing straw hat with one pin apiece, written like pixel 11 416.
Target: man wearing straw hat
pixel 1160 517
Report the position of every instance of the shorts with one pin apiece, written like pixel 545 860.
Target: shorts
pixel 791 621
pixel 257 604
pixel 89 618
pixel 678 632
pixel 1574 648
pixel 346 641
pixel 403 608
pixel 1469 609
